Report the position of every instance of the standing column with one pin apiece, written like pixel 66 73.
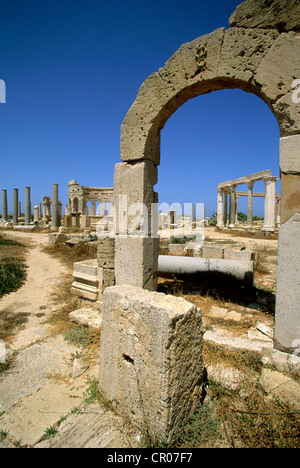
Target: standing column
pixel 15 206
pixel 270 204
pixel 232 207
pixel 250 205
pixel 4 205
pixel 36 213
pixel 220 220
pixel 225 207
pixel 27 206
pixel 55 218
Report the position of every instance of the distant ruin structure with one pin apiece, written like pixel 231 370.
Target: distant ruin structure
pixel 227 191
pixel 79 198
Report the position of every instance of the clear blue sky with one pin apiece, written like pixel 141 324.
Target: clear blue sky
pixel 72 69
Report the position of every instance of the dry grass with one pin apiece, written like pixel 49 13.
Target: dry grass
pixel 69 255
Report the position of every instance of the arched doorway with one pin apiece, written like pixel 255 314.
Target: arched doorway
pixel 259 61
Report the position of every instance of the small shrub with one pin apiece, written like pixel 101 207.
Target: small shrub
pixel 12 274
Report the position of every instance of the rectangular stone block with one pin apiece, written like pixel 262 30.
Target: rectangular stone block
pixel 151 363
pixel 287 324
pixel 136 261
pixel 212 251
pixel 134 196
pixel 106 252
pixel 290 154
pixel 231 254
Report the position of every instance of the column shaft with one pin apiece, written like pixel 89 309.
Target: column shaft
pixel 15 206
pixel 27 206
pixel 4 205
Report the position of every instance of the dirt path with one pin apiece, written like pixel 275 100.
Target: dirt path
pixel 35 298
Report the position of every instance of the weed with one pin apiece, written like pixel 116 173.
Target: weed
pixel 49 432
pixel 12 274
pixel 93 394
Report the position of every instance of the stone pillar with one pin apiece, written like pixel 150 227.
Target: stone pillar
pixel 35 213
pixel 4 205
pixel 278 210
pixel 250 205
pixel 92 211
pixel 270 204
pixel 225 207
pixel 19 210
pixel 232 208
pixel 151 364
pixel 15 206
pixel 137 250
pixel 27 206
pixel 236 208
pixel 287 322
pixel 40 210
pixel 220 209
pixel 55 214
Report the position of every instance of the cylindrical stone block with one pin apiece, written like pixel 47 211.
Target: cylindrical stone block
pixel 15 206
pixel 55 217
pixel 27 206
pixel 4 205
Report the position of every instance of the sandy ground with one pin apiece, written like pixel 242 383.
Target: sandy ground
pixel 39 388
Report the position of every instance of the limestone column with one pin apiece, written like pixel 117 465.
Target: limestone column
pixel 220 220
pixel 35 213
pixel 27 206
pixel 19 209
pixel 236 208
pixel 278 210
pixel 15 206
pixel 225 207
pixel 232 207
pixel 55 216
pixel 4 205
pixel 270 204
pixel 93 209
pixel 250 204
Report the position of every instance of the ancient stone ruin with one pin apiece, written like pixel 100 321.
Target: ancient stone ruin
pixel 145 369
pixel 272 201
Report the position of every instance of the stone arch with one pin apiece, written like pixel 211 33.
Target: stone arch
pixel 263 61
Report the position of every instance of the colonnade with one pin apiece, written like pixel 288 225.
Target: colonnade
pixel 56 207
pixel 228 196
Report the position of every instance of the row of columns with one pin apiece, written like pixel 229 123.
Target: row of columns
pixel 37 209
pixel 230 191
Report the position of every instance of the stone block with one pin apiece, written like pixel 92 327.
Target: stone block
pixel 151 362
pixel 136 261
pixel 212 251
pixel 231 254
pixel 276 72
pixel 287 114
pixel 290 154
pixel 134 196
pixel 87 279
pixel 290 198
pixel 287 325
pixel 283 15
pixel 106 252
pixel 243 51
pixel 201 57
pixel 86 316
